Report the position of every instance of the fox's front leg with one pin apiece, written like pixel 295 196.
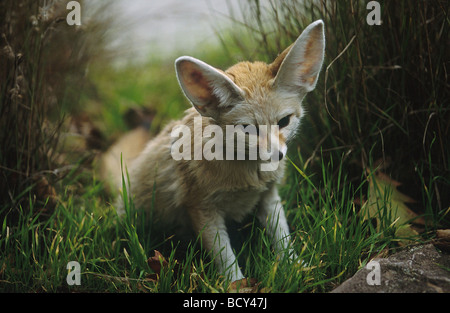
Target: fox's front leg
pixel 271 215
pixel 211 226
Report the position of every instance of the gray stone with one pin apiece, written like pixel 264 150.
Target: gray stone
pixel 416 269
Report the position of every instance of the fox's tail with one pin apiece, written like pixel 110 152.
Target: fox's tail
pixel 126 148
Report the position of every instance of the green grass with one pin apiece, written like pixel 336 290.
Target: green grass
pixel 329 235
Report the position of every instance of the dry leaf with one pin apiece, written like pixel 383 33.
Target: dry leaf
pixel 245 285
pixel 156 263
pixel 383 192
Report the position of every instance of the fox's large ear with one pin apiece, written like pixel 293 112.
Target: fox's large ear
pixel 299 65
pixel 207 88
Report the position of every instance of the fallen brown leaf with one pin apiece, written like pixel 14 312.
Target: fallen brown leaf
pixel 245 285
pixel 383 192
pixel 157 264
pixel 157 261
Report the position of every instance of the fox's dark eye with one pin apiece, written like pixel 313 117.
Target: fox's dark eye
pixel 284 121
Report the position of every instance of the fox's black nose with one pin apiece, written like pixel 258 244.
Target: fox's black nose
pixel 280 155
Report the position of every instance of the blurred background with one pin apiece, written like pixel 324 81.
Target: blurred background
pixel 153 27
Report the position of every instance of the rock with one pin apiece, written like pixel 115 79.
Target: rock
pixel 416 269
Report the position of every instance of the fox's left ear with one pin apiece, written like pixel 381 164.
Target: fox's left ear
pixel 299 65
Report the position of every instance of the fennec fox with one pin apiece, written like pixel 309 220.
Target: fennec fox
pixel 202 193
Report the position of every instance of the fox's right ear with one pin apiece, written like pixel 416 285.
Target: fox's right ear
pixel 209 89
pixel 298 67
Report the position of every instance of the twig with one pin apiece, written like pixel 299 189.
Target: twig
pixel 326 76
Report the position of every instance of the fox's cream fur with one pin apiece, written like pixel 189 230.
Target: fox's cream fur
pixel 201 194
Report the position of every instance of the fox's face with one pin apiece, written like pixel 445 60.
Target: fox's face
pixel 265 99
